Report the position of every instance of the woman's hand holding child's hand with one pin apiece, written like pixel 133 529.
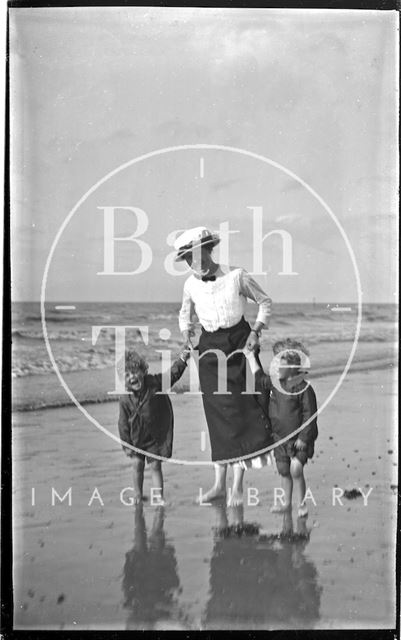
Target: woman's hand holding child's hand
pixel 187 335
pixel 253 342
pixel 251 358
pixel 185 353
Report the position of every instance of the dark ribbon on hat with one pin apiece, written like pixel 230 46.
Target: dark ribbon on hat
pixel 186 248
pixel 208 278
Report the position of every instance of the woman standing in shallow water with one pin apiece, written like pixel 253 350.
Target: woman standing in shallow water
pixel 237 422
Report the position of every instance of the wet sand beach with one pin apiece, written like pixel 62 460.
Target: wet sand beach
pixel 200 177
pixel 113 566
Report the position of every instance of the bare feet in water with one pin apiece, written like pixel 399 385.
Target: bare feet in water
pixel 302 511
pixel 235 498
pixel 215 493
pixel 280 508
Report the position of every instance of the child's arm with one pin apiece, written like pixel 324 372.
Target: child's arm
pixel 176 370
pixel 123 428
pixel 262 380
pixel 178 367
pixel 309 408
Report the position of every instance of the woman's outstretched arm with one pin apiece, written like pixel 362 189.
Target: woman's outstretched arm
pixel 251 289
pixel 185 317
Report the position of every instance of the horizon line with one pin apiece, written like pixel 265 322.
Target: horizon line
pixel 178 301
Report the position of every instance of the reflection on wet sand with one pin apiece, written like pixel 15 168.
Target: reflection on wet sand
pixel 150 582
pixel 261 581
pixel 257 580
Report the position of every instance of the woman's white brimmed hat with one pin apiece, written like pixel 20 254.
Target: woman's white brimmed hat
pixel 192 238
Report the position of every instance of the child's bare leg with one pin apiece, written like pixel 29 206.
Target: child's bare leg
pixel 219 488
pixel 286 482
pixel 238 515
pixel 157 481
pixel 288 525
pixel 301 526
pixel 297 474
pixel 138 465
pixel 236 495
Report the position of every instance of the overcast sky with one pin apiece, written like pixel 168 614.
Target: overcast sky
pixel 314 91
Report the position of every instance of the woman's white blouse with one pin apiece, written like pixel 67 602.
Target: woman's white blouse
pixel 221 303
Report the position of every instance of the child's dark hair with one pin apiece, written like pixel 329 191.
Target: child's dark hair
pixel 290 349
pixel 133 361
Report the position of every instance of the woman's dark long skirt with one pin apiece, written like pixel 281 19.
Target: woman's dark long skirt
pixel 238 423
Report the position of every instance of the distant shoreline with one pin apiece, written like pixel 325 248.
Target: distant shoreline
pixel 178 301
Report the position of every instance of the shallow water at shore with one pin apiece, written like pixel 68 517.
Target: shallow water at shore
pixel 40 391
pixel 70 332
pixel 112 566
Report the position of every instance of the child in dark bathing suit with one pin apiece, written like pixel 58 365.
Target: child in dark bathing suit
pixel 292 402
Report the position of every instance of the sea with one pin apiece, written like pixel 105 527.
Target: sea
pixel 70 330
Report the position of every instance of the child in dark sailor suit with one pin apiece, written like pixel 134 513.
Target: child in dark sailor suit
pixel 146 419
pixel 292 404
